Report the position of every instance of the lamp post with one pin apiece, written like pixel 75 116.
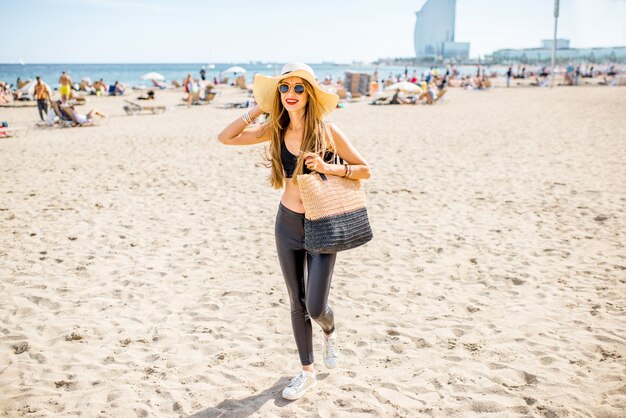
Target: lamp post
pixel 556 18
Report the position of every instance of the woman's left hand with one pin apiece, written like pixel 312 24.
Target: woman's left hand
pixel 314 162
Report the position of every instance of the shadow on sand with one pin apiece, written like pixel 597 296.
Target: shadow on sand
pixel 247 406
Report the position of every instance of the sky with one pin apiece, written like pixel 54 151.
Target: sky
pixel 211 31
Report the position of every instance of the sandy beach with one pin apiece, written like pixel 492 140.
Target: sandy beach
pixel 138 273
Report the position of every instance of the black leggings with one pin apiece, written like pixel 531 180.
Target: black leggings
pixel 308 288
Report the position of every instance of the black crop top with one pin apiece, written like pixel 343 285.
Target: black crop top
pixel 290 160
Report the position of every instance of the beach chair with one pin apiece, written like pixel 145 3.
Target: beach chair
pixel 63 119
pixel 195 99
pixel 66 117
pixel 56 117
pixel 209 94
pixel 241 83
pixel 133 108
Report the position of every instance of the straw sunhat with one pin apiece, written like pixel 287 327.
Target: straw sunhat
pixel 265 88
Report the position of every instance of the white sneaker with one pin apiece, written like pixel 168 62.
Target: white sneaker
pixel 299 385
pixel 331 353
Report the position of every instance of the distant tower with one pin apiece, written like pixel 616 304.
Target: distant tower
pixel 434 31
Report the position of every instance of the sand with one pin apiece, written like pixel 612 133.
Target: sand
pixel 138 274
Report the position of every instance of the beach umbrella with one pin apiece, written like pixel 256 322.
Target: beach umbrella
pixel 405 86
pixel 236 70
pixel 153 76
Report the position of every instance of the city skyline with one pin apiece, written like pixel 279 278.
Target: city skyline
pixel 136 31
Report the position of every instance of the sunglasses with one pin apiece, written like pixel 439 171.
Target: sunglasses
pixel 284 88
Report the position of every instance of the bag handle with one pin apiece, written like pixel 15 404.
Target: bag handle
pixel 337 158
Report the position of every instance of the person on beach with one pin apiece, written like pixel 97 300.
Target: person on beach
pixel 5 92
pixel 81 119
pixel 398 98
pixel 190 88
pixel 117 89
pixel 509 74
pixel 42 95
pixel 65 87
pixel 300 141
pixel 431 94
pixel 100 87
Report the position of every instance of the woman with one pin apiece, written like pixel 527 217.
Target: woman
pixel 298 138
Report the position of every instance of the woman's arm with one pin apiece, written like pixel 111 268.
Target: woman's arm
pixel 359 169
pixel 237 134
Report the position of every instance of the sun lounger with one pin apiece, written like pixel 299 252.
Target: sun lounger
pixel 209 94
pixel 197 100
pixel 133 108
pixel 19 103
pixel 64 120
pixel 61 116
pixel 241 83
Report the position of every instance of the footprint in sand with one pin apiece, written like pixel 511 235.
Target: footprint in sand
pixel 21 347
pixel 74 336
pixel 62 383
pixel 530 379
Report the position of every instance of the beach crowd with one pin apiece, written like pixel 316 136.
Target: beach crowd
pixel 408 87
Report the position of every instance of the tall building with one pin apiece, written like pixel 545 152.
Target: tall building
pixel 434 31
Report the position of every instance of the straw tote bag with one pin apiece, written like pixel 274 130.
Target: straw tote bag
pixel 335 217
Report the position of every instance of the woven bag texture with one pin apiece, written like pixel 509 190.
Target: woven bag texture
pixel 329 195
pixel 338 232
pixel 335 216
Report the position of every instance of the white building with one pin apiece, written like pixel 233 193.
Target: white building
pixel 563 53
pixel 434 31
pixel 560 43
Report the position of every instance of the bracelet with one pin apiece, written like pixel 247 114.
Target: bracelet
pixel 347 166
pixel 247 118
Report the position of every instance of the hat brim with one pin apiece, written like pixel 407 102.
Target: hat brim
pixel 265 89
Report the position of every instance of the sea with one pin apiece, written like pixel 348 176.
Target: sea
pixel 130 74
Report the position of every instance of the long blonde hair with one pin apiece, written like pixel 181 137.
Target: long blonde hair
pixel 315 138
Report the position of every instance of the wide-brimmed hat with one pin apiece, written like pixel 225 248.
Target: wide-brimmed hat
pixel 265 88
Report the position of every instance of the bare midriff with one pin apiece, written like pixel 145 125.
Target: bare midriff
pixel 291 197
